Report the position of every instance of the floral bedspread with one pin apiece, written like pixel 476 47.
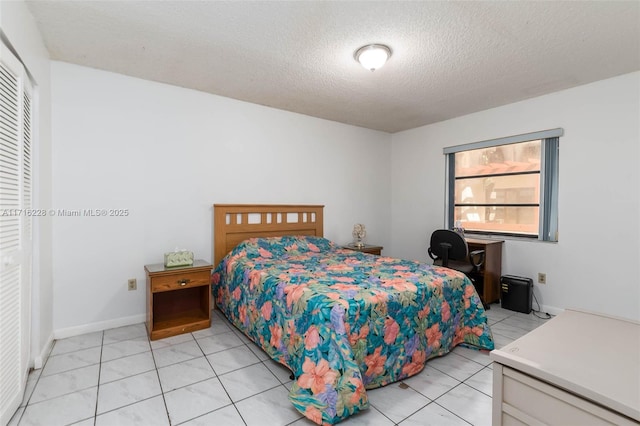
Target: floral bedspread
pixel 345 321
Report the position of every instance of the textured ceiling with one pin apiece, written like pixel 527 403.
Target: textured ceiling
pixel 449 58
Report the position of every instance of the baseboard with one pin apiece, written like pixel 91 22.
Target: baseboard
pixel 38 361
pixel 98 326
pixel 543 308
pixel 550 309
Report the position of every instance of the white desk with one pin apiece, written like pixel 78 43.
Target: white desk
pixel 580 368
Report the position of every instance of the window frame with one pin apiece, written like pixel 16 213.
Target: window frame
pixel 549 173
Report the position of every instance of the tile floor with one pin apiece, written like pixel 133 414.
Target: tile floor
pixel 217 376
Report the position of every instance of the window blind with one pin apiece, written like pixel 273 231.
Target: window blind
pixel 544 134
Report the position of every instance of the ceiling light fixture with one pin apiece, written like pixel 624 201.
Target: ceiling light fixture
pixel 372 56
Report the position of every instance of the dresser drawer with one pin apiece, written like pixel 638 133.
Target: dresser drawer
pixel 179 280
pixel 527 400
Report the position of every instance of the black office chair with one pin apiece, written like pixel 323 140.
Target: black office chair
pixel 449 249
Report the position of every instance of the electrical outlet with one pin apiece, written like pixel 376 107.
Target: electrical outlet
pixel 133 284
pixel 542 278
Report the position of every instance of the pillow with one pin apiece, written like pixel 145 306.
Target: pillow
pixel 293 245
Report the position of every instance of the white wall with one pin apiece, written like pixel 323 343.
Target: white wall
pixel 19 28
pixel 595 264
pixel 167 154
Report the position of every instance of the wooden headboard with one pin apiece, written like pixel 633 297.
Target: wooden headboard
pixel 234 223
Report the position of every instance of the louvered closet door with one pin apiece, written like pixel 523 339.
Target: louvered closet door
pixel 15 231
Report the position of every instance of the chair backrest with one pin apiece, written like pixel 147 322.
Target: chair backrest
pixel 448 245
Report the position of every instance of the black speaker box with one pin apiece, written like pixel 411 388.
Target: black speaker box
pixel 516 293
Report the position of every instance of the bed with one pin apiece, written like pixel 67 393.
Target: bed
pixel 342 321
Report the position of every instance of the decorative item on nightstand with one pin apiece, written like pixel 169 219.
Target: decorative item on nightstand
pixel 178 258
pixel 359 233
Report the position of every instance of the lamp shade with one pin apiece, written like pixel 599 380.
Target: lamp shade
pixel 373 56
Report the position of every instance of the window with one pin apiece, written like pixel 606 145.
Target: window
pixel 505 186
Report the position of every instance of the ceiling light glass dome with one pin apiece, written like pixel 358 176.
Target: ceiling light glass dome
pixel 373 56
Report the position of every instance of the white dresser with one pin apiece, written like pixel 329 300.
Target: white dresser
pixel 579 368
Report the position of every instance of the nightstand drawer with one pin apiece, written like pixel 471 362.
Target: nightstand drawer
pixel 180 280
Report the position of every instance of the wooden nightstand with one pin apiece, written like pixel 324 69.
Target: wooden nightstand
pixel 365 249
pixel 178 299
